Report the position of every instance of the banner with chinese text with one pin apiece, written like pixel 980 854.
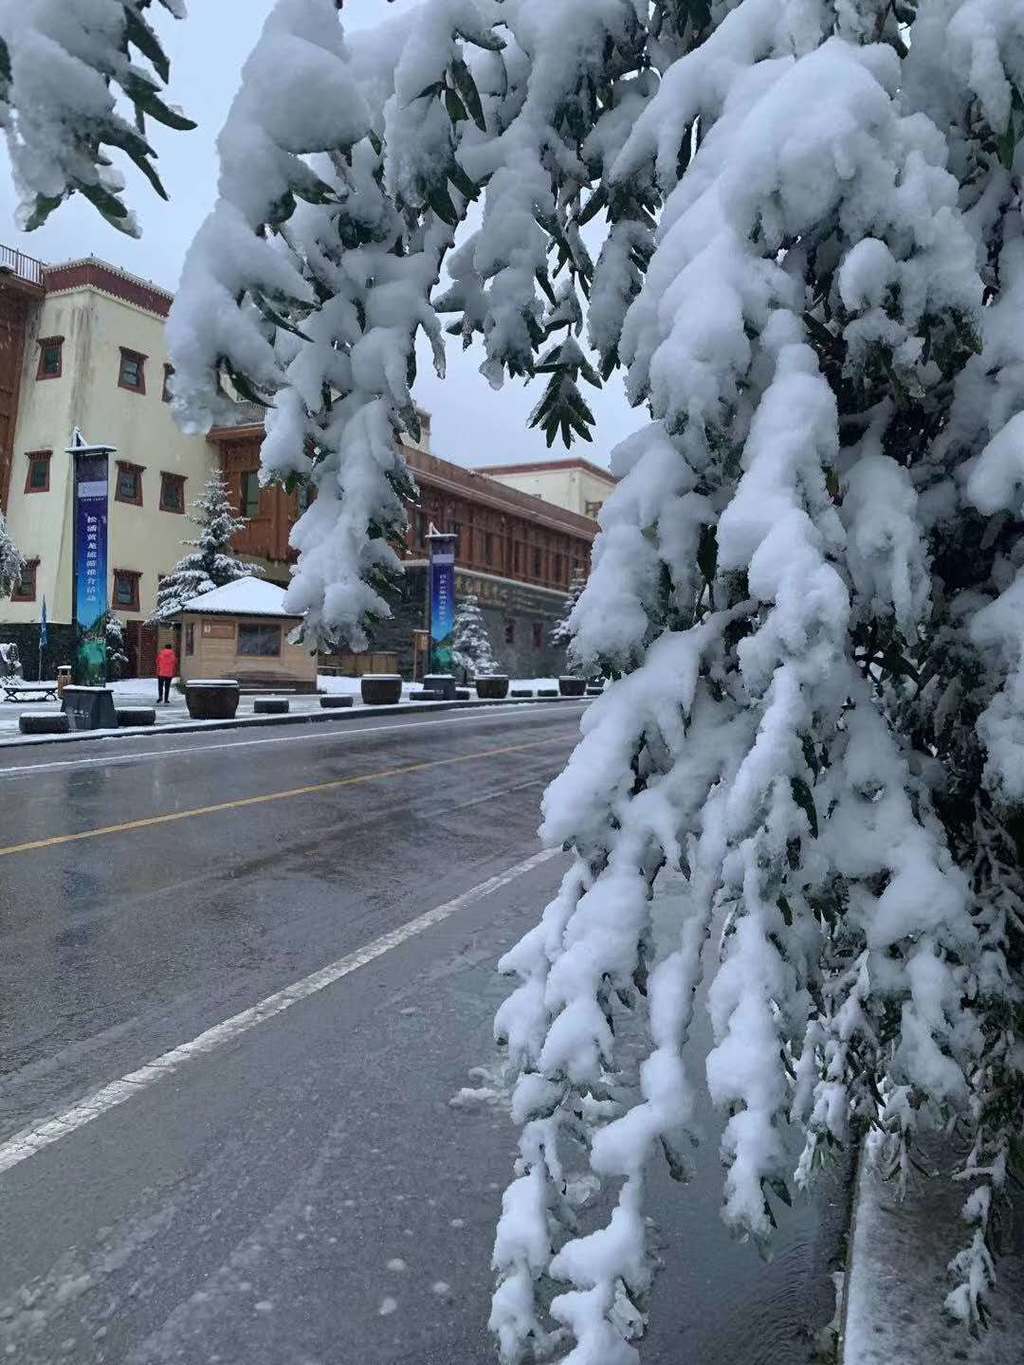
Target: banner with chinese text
pixel 91 601
pixel 442 602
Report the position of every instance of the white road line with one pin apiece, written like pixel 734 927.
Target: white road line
pixel 493 713
pixel 20 1148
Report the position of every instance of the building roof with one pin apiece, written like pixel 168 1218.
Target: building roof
pixel 539 466
pixel 247 596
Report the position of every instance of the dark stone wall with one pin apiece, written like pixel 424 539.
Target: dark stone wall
pixel 59 650
pixel 519 621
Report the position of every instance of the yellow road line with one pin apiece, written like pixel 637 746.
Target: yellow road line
pixel 152 820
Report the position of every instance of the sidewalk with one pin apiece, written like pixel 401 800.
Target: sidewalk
pixel 898 1278
pixel 173 718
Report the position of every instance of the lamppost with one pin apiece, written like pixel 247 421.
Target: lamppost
pixel 90 602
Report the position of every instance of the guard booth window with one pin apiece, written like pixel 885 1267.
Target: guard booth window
pixel 259 640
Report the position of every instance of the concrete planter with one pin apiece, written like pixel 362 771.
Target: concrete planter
pixel 427 694
pixel 572 687
pixel 270 706
pixel 43 723
pixel 212 700
pixel 548 692
pixel 381 689
pixel 329 701
pixel 521 692
pixel 462 694
pixel 593 690
pixel 444 683
pixel 136 715
pixel 492 686
pixel 89 708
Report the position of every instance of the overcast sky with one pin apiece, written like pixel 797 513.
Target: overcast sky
pixel 471 424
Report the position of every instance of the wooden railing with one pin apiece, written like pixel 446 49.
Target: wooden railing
pixel 17 263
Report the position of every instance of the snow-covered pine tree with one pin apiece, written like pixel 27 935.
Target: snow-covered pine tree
pixel 117 657
pixel 471 645
pixel 63 66
pixel 11 561
pixel 561 631
pixel 806 586
pixel 209 563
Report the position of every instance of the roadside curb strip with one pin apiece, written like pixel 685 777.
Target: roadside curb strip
pixel 339 716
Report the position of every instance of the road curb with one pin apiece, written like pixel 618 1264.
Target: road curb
pixel 339 716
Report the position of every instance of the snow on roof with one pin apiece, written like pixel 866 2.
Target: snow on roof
pixel 245 597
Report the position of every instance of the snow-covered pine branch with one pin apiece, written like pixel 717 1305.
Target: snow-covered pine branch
pixel 11 560
pixel 339 200
pixel 472 650
pixel 561 631
pixel 805 586
pixel 64 67
pixel 209 563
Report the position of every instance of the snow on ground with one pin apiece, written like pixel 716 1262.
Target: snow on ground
pixel 898 1276
pixel 143 692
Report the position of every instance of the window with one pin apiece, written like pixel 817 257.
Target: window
pixel 537 563
pixel 126 589
pixel 129 483
pixel 37 479
pixel 510 632
pixel 132 374
pixel 261 641
pixel 538 635
pixel 249 505
pixel 51 358
pixel 517 557
pixel 591 509
pixel 488 548
pixel 172 492
pixel 26 589
pixel 165 392
pixel 190 638
pixel 558 569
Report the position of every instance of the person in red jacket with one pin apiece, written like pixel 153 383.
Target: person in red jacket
pixel 166 671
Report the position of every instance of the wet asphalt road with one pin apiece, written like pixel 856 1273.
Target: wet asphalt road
pixel 304 1194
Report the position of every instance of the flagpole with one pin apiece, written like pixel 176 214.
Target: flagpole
pixel 43 633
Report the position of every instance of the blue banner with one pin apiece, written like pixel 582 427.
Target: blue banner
pixel 91 601
pixel 442 602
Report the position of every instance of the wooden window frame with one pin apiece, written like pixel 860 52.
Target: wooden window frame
pixel 128 354
pixel 165 393
pixel 122 467
pixel 43 343
pixel 166 478
pixel 510 631
pixel 134 576
pixel 243 478
pixel 34 457
pixel 31 565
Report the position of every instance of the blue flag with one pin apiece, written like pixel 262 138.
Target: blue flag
pixel 44 633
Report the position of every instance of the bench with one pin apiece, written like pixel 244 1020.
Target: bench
pixel 23 691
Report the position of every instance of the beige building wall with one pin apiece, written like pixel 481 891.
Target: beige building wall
pixel 145 540
pixel 572 486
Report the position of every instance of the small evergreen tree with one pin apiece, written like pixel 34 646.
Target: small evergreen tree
pixel 209 564
pixel 11 562
pixel 471 645
pixel 117 657
pixel 561 633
